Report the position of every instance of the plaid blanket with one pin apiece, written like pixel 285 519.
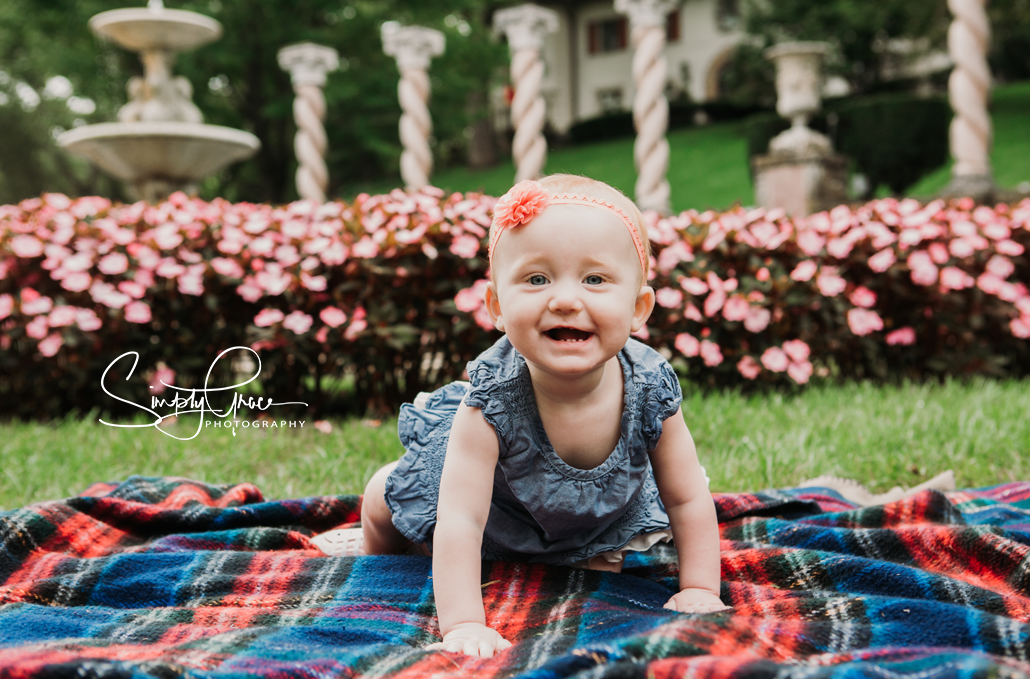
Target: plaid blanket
pixel 167 577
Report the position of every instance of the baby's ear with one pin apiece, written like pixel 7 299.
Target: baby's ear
pixel 493 306
pixel 643 307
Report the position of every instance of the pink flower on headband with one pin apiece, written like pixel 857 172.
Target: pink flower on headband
pixel 521 204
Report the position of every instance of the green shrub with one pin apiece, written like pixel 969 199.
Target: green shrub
pixel 893 139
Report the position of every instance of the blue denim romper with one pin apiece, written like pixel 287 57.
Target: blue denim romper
pixel 542 509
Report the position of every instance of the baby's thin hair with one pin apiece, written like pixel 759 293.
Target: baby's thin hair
pixel 574 184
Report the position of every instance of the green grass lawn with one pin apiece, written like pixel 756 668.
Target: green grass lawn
pixel 881 436
pixel 708 165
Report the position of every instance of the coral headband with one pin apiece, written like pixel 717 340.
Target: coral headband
pixel 527 199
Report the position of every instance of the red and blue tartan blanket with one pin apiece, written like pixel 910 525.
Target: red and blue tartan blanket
pixel 165 577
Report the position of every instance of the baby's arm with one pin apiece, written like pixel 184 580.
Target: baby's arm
pixel 465 492
pixel 695 528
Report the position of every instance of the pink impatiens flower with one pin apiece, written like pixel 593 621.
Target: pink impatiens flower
pixel 736 308
pixel 863 321
pixel 694 286
pixel 687 345
pixel 1001 267
pixel 250 290
pixel 882 260
pixel 26 246
pixel 298 321
pixel 954 278
pixel 938 253
pixel 313 283
pixel 749 367
pixel 113 263
pixel 137 312
pixel 76 281
pixel 669 298
pixel 863 297
pixel 357 325
pixel 797 350
pixel 830 284
pixel 989 283
pixel 267 317
pixel 711 353
pixel 470 299
pixel 332 316
pixel 800 372
pixel 37 305
pixel 804 270
pixel 37 328
pixel 757 319
pixel 51 344
pixel 61 316
pixel 227 267
pixel 87 320
pixel 465 246
pixel 6 305
pixel 903 336
pixel 775 359
pixel 365 248
pixel 132 289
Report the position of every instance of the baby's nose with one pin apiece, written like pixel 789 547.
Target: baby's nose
pixel 565 299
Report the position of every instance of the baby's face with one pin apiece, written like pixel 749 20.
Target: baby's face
pixel 567 288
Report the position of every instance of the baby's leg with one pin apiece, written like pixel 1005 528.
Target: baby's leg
pixel 380 535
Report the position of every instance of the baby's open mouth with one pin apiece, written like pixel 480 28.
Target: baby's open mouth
pixel 568 334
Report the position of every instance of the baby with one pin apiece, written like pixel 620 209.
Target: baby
pixel 567 445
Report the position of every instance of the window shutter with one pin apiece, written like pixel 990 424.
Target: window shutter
pixel 623 22
pixel 593 37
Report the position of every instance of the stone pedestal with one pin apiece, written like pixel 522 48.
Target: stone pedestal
pixel 802 181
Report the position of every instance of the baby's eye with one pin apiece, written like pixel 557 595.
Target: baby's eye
pixel 538 279
pixel 593 279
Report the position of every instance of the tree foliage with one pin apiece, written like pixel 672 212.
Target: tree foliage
pixel 237 82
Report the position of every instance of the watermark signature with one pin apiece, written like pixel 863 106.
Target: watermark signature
pixel 187 401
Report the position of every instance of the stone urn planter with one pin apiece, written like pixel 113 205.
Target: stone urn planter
pixel 801 173
pixel 799 84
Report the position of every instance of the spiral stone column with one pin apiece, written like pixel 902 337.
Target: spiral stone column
pixel 413 47
pixel 308 64
pixel 968 87
pixel 525 27
pixel 650 107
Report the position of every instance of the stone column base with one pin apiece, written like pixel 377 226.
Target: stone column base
pixel 979 187
pixel 801 182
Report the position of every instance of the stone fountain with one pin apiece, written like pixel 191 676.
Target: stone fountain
pixel 160 144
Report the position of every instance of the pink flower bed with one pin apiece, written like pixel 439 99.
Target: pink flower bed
pixel 317 290
pixel 889 288
pixel 389 289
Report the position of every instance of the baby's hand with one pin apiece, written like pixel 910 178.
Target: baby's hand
pixel 471 638
pixel 692 600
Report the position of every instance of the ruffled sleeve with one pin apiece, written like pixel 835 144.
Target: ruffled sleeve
pixel 661 403
pixel 495 389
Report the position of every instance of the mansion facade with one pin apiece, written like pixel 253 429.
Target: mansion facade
pixel 588 61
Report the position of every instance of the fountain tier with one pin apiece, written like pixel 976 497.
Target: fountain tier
pixel 161 144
